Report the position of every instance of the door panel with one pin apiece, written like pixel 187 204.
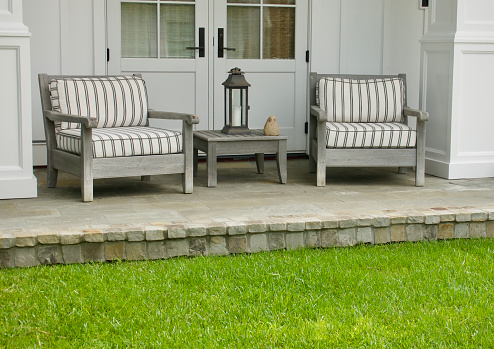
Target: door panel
pixel 156 38
pixel 267 39
pixel 270 49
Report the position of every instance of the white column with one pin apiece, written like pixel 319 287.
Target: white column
pixel 457 90
pixel 16 163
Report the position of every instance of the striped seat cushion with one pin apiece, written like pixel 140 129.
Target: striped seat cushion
pixel 123 141
pixel 369 135
pixel 369 100
pixel 114 101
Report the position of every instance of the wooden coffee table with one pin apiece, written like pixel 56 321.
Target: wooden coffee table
pixel 215 143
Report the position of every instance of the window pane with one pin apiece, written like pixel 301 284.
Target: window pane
pixel 280 2
pixel 243 32
pixel 278 33
pixel 139 31
pixel 177 28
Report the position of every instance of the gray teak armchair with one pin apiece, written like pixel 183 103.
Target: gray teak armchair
pixel 362 121
pixel 98 127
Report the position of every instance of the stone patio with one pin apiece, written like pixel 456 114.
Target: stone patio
pixel 246 212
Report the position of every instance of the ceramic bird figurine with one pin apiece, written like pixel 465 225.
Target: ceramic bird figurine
pixel 271 128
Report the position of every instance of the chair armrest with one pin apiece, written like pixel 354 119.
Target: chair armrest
pixel 419 114
pixel 84 120
pixel 319 113
pixel 190 118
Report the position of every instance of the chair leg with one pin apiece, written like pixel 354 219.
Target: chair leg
pixel 321 175
pixel 188 149
pixel 51 177
pixel 87 190
pixel 187 181
pixel 419 178
pixel 145 178
pixel 86 164
pixel 402 170
pixel 420 168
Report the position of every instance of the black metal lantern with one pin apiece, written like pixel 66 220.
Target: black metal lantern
pixel 236 103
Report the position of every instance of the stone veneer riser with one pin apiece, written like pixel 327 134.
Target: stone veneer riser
pixel 27 248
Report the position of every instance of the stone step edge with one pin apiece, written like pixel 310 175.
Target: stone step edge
pixel 30 247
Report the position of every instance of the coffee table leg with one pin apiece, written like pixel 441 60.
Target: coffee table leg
pixel 260 162
pixel 281 161
pixel 196 161
pixel 211 165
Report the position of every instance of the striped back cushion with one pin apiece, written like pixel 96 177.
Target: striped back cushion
pixel 369 100
pixel 114 101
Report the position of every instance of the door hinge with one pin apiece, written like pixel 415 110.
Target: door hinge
pixel 306 127
pixel 107 54
pixel 307 56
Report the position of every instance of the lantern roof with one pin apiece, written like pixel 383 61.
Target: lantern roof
pixel 236 79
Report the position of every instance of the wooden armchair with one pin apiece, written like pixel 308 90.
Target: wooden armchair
pixel 362 121
pixel 98 127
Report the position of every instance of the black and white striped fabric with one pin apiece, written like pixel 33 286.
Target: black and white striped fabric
pixel 114 101
pixel 369 135
pixel 369 100
pixel 122 141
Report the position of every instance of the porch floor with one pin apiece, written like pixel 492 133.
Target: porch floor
pixel 244 202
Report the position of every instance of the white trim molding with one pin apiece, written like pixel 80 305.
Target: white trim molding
pixel 16 163
pixel 457 70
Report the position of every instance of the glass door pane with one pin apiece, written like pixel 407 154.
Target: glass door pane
pixel 139 30
pixel 244 28
pixel 177 24
pixel 243 32
pixel 165 26
pixel 278 39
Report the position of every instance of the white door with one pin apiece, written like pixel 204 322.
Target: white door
pixel 267 39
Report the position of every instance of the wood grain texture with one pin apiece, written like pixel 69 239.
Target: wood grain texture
pixel 321 157
pixel 215 143
pixel 89 168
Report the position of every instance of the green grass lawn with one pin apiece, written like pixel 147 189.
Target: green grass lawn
pixel 420 295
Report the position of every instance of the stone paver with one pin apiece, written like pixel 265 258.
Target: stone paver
pixel 246 213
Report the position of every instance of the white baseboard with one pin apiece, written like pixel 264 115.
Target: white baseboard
pixel 39 154
pixel 459 170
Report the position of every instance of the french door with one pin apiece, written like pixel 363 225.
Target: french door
pixel 184 49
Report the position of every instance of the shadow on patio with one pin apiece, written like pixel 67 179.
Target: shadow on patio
pixel 246 212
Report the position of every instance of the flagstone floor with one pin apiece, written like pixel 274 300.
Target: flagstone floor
pixel 241 195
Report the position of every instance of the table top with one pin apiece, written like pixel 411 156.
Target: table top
pixel 218 136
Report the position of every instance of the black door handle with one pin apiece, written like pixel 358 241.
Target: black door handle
pixel 201 47
pixel 221 43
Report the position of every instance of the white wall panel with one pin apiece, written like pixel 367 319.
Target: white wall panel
pixel 76 25
pixel 362 33
pixel 325 43
pixel 45 51
pixel 10 141
pixel 68 37
pixel 443 16
pixel 437 63
pixel 474 103
pixel 404 23
pixel 16 170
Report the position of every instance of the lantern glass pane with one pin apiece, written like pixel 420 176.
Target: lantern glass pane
pixel 244 107
pixel 227 106
pixel 236 107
